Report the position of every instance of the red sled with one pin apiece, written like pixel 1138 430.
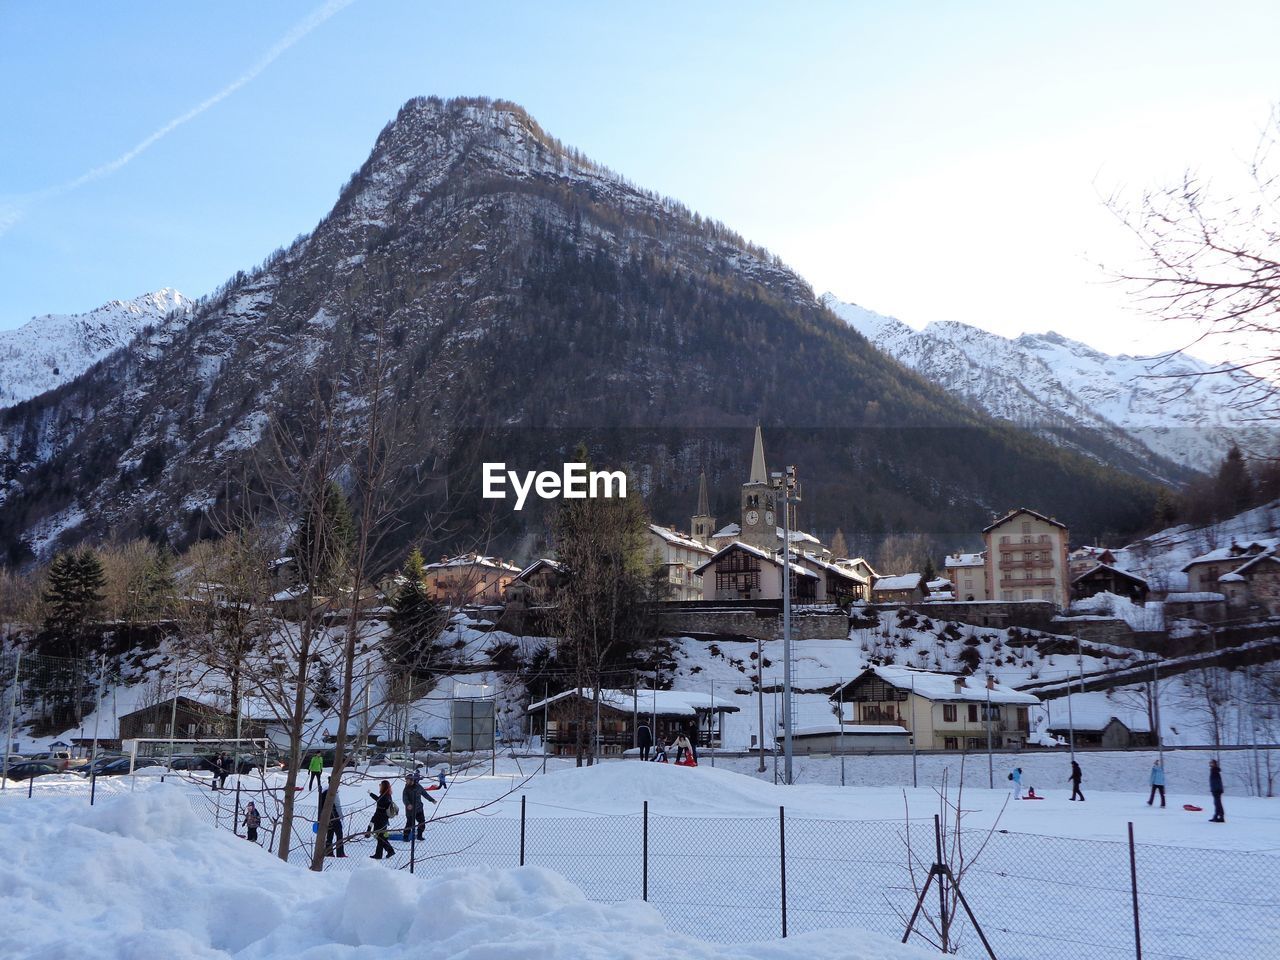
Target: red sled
pixel 1192 808
pixel 1032 796
pixel 687 762
pixel 434 786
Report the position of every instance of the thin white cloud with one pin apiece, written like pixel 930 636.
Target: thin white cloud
pixel 12 208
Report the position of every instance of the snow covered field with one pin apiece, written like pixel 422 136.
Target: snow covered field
pixel 148 874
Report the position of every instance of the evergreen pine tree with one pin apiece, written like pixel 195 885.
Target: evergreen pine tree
pixel 416 620
pixel 324 539
pixel 1166 510
pixel 929 571
pixel 1234 488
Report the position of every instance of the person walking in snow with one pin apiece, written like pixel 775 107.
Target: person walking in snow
pixel 644 740
pixel 1157 783
pixel 1215 788
pixel 1016 776
pixel 224 770
pixel 1075 778
pixel 315 767
pixel 332 835
pixel 252 821
pixel 382 818
pixel 440 779
pixel 414 812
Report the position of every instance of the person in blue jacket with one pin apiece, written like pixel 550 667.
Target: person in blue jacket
pixel 1215 788
pixel 1157 783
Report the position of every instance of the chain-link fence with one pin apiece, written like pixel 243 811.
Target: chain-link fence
pixel 745 879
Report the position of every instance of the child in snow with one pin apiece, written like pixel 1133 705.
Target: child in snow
pixel 333 835
pixel 1016 777
pixel 1157 783
pixel 683 748
pixel 252 821
pixel 315 768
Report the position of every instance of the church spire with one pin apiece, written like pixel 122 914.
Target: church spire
pixel 704 508
pixel 758 472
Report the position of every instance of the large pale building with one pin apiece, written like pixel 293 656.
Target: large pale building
pixel 942 711
pixel 1026 558
pixel 680 556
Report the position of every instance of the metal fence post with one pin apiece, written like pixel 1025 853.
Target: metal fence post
pixel 782 859
pixel 645 856
pixel 523 798
pixel 942 884
pixel 1133 882
pixel 413 846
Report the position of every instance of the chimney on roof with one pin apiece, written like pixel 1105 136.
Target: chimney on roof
pixel 991 681
pixel 443 558
pixel 959 684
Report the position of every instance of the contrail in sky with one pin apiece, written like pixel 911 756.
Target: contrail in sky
pixel 12 209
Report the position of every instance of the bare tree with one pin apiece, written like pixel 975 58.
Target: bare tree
pixel 1215 261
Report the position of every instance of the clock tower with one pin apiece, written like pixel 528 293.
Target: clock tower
pixel 759 521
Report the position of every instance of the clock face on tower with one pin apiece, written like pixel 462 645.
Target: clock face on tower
pixel 768 517
pixel 753 517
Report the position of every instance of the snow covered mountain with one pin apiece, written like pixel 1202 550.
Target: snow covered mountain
pixel 1050 383
pixel 50 350
pixel 517 299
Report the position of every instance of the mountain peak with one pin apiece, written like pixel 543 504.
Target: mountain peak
pixel 51 349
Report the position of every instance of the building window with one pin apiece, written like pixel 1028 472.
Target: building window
pixel 974 743
pixel 1026 526
pixel 948 713
pixel 973 713
pixel 949 743
pixel 1046 594
pixel 1006 594
pixel 991 713
pixel 968 584
pixel 1026 594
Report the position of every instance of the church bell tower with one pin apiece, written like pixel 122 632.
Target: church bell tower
pixel 759 522
pixel 703 524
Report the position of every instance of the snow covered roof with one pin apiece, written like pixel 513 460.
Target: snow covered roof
pixel 662 703
pixel 472 560
pixel 942 686
pixel 1106 566
pixel 799 536
pixel 940 583
pixel 799 570
pixel 833 568
pixel 965 560
pixel 1094 718
pixel 1200 596
pixel 728 530
pixel 1236 551
pixel 1021 510
pixel 848 729
pixel 538 564
pixel 679 539
pixel 1248 567
pixel 906 581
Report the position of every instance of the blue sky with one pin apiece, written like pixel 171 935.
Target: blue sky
pixel 936 161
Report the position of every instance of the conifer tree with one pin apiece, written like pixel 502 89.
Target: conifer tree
pixel 416 620
pixel 324 539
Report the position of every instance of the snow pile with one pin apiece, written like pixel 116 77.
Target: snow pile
pixel 140 876
pixel 1137 616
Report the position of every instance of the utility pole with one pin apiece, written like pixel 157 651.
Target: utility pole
pixel 991 775
pixel 786 485
pixel 915 780
pixel 760 696
pixel 13 711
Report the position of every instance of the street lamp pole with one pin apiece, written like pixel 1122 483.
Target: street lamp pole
pixel 786 485
pixel 760 696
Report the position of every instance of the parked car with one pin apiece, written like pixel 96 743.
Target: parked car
pixel 33 768
pixel 188 762
pixel 120 766
pixel 402 760
pixel 102 761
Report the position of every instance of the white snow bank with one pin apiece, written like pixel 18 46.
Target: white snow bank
pixel 140 876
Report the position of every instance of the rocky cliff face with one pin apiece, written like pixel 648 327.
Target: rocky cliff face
pixel 525 299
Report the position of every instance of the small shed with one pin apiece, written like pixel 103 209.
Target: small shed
pixel 189 718
pixel 1109 733
pixel 558 719
pixel 848 738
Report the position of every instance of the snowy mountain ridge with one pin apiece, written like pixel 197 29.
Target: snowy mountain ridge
pixel 1048 382
pixel 50 350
